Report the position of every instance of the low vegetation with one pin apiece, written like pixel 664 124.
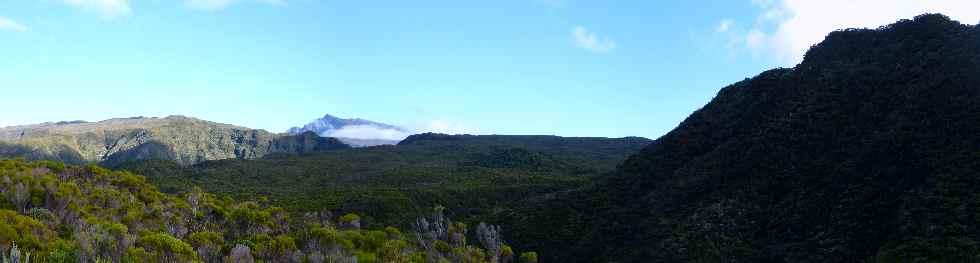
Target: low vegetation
pixel 52 212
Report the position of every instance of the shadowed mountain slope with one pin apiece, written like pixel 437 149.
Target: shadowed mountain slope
pixel 867 151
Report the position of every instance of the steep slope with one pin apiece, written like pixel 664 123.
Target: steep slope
pixel 355 132
pixel 470 175
pixel 867 151
pixel 182 139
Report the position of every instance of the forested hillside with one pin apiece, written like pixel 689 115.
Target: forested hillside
pixel 867 151
pixel 51 212
pixel 473 176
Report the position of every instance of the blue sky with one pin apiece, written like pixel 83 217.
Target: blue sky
pixel 563 67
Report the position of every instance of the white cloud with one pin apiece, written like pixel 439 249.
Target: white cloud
pixel 367 132
pixel 219 4
pixel 755 39
pixel 373 132
pixel 785 29
pixel 724 25
pixel 591 41
pixel 6 24
pixel 105 8
pixel 763 3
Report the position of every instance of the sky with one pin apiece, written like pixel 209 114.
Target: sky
pixel 555 67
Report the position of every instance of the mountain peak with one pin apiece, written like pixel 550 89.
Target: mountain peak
pixel 847 46
pixel 353 131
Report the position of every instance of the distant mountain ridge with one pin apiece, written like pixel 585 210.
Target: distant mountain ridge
pixel 184 140
pixel 355 131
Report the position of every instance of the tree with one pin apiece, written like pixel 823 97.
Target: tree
pixel 350 221
pixel 20 196
pixel 529 257
pixel 208 245
pixel 163 247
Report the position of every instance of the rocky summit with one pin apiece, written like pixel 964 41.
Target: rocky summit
pixel 184 140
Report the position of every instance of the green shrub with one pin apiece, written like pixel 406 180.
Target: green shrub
pixel 529 257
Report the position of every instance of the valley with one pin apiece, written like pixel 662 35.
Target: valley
pixel 865 151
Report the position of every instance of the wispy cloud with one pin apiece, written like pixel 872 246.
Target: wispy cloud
pixel 373 132
pixel 220 4
pixel 591 41
pixel 105 8
pixel 725 25
pixel 7 24
pixel 785 29
pixel 367 132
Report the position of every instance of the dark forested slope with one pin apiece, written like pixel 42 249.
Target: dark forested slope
pixel 867 151
pixel 472 176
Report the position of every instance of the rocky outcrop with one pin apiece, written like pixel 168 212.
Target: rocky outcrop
pixel 182 139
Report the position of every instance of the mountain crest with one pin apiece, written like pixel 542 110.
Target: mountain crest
pixel 354 131
pixel 183 139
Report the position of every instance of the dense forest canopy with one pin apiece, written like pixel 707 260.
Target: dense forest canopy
pixel 472 176
pixel 864 152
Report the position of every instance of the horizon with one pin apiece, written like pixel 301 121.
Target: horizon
pixel 409 133
pixel 541 67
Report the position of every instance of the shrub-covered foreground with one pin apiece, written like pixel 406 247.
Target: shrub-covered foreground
pixel 50 212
